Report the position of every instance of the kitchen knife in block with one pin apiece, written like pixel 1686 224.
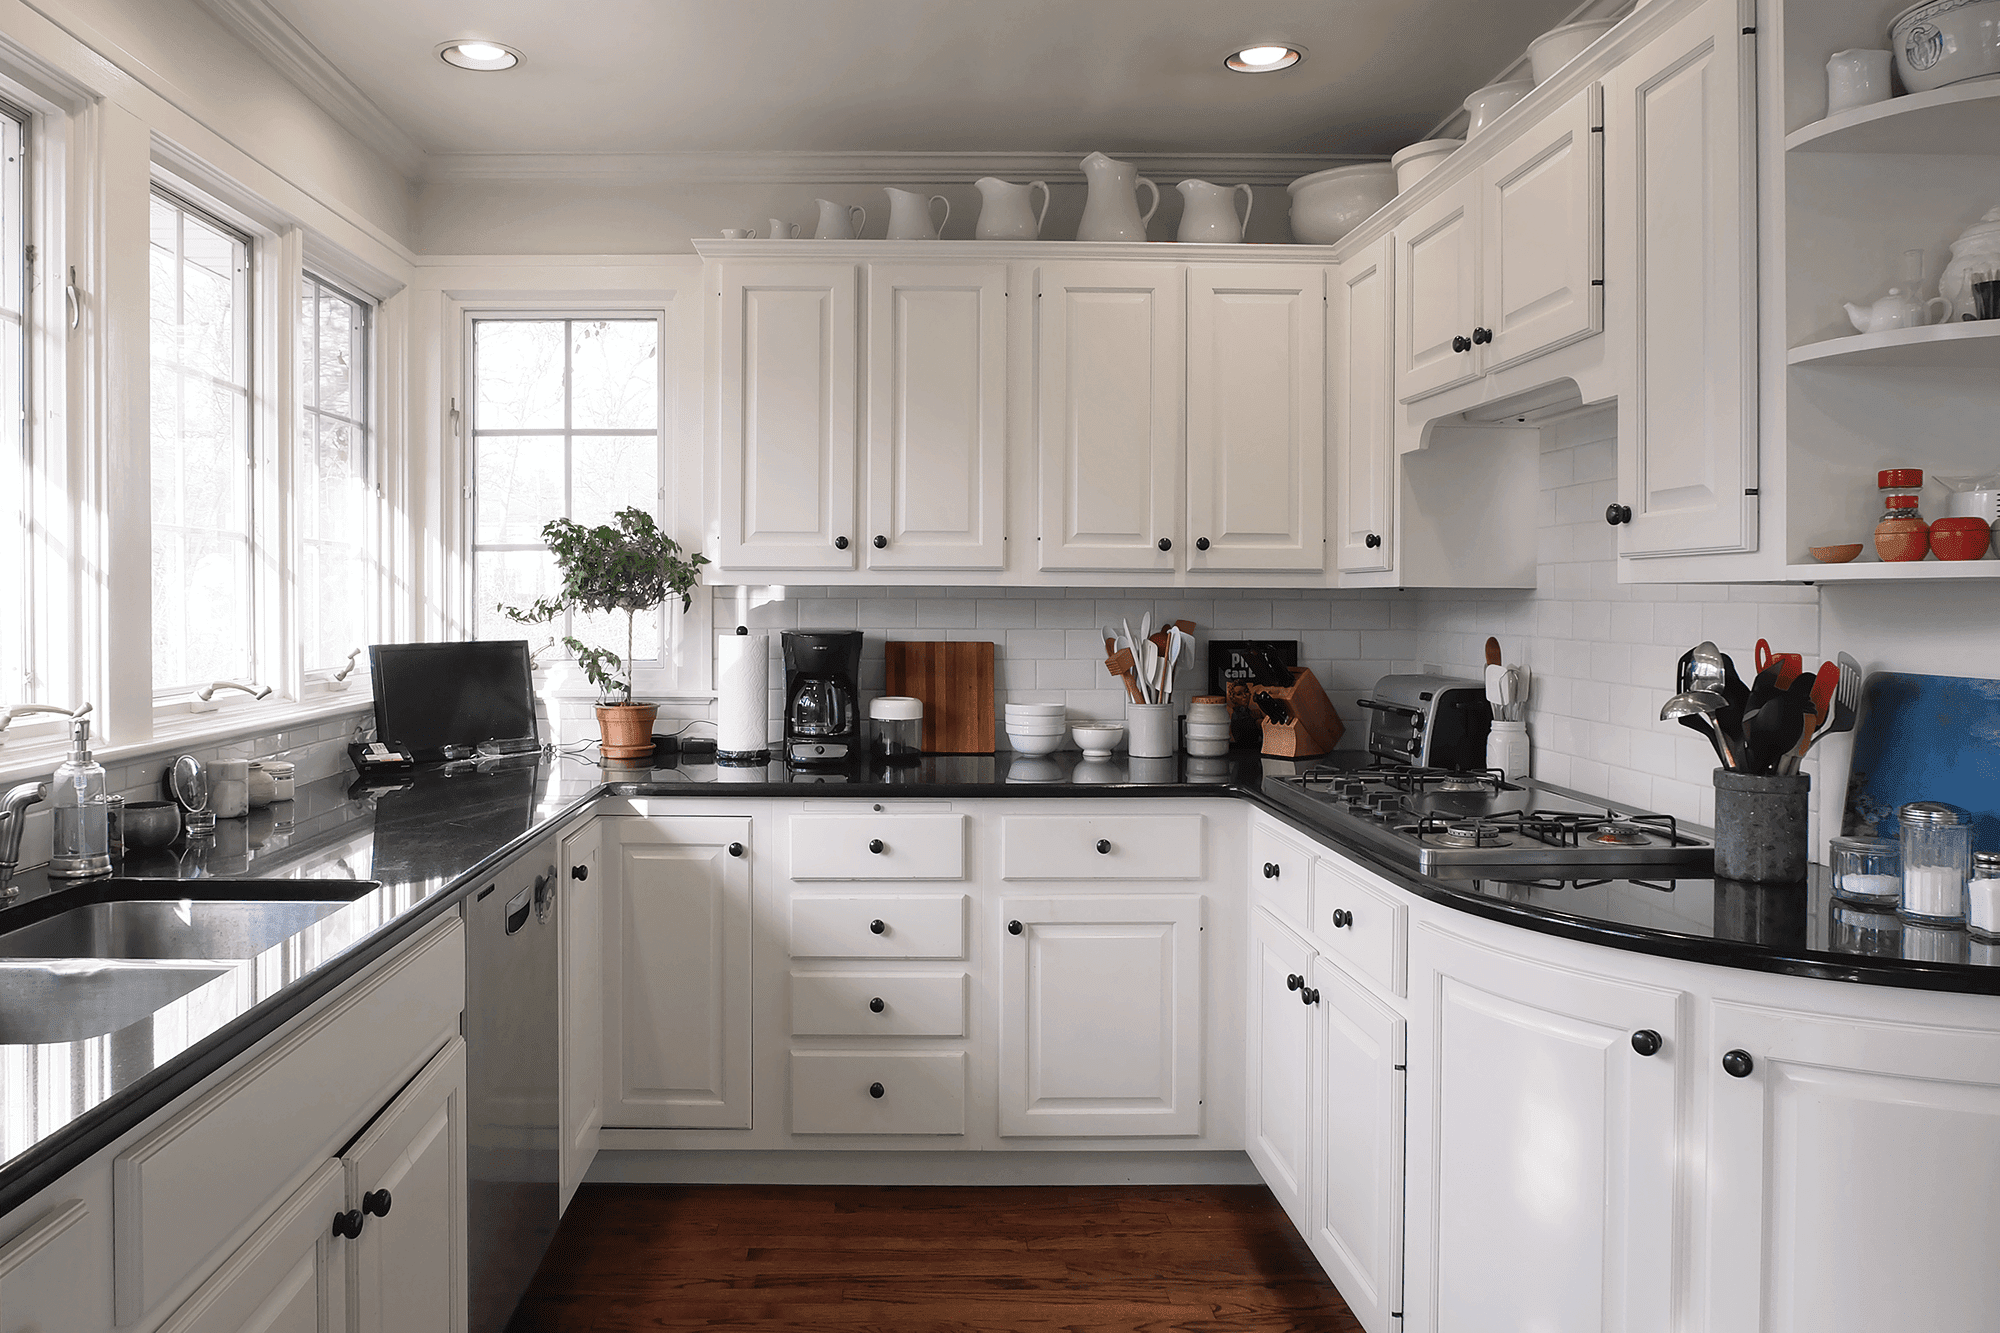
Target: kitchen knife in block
pixel 955 682
pixel 1314 728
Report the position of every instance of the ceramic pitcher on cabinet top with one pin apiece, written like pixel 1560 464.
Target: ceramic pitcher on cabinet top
pixel 910 215
pixel 1004 212
pixel 782 230
pixel 1209 214
pixel 839 222
pixel 1111 209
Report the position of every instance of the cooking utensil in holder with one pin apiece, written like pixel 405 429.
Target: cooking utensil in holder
pixel 1760 826
pixel 1299 720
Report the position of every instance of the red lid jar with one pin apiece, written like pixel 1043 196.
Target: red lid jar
pixel 1900 479
pixel 1961 538
pixel 1902 534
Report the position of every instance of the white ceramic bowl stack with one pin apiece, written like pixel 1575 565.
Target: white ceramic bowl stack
pixel 1208 728
pixel 1036 729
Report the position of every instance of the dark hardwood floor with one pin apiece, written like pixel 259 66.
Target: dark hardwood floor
pixel 860 1258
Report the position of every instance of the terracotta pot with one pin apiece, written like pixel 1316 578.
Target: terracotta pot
pixel 1961 538
pixel 1898 539
pixel 627 730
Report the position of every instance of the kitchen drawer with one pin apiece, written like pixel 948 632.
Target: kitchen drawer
pixel 1102 846
pixel 196 1183
pixel 1372 939
pixel 878 925
pixel 1281 874
pixel 912 1004
pixel 875 846
pixel 833 1092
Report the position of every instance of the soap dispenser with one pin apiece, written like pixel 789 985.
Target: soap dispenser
pixel 82 815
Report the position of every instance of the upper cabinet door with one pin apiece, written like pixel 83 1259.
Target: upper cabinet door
pixel 1680 129
pixel 1542 216
pixel 1256 418
pixel 937 416
pixel 786 416
pixel 1110 345
pixel 1361 317
pixel 1437 284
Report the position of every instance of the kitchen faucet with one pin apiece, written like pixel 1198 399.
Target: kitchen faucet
pixel 13 711
pixel 13 815
pixel 203 701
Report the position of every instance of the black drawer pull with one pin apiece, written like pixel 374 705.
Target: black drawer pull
pixel 880 541
pixel 875 846
pixel 376 1202
pixel 1270 870
pixel 1461 343
pixel 1293 981
pixel 1616 514
pixel 579 873
pixel 736 849
pixel 1480 337
pixel 876 1006
pixel 1647 1042
pixel 1166 543
pixel 1737 1064
pixel 1373 540
pixel 840 543
pixel 1342 918
pixel 1104 846
pixel 878 925
pixel 876 1090
pixel 347 1225
pixel 1308 995
pixel 1201 543
pixel 1013 927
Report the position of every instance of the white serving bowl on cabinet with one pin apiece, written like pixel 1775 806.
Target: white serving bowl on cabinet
pixel 1558 46
pixel 1328 204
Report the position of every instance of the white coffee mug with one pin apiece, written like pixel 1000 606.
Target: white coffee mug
pixel 1856 78
pixel 739 233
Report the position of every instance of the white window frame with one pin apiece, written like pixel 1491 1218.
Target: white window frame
pixel 320 679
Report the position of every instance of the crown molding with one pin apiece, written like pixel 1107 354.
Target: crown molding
pixel 287 50
pixel 859 168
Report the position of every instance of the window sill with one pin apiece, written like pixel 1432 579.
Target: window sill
pixel 184 731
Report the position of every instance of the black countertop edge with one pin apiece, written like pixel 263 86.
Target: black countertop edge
pixel 104 1124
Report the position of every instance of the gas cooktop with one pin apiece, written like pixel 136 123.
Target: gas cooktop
pixel 1439 821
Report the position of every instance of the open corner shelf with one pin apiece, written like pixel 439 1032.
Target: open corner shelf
pixel 1909 571
pixel 1960 118
pixel 1962 346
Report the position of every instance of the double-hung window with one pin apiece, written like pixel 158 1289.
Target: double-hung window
pixel 19 584
pixel 333 479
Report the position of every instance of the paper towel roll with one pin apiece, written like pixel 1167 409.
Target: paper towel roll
pixel 742 686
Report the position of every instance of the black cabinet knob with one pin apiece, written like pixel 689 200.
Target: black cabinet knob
pixel 1647 1042
pixel 1166 543
pixel 880 541
pixel 376 1202
pixel 876 1090
pixel 875 846
pixel 1307 995
pixel 840 543
pixel 1342 918
pixel 1293 981
pixel 1201 543
pixel 1480 337
pixel 579 873
pixel 1013 927
pixel 875 1006
pixel 736 849
pixel 1270 870
pixel 1104 846
pixel 1737 1064
pixel 1372 541
pixel 347 1225
pixel 1616 514
pixel 878 925
pixel 1461 343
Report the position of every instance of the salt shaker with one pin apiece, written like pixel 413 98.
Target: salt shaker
pixel 1982 897
pixel 1937 856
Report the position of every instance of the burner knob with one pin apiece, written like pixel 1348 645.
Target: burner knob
pixel 1382 802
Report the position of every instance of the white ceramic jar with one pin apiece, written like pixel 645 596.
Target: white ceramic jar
pixel 229 788
pixel 283 773
pixel 1856 78
pixel 261 787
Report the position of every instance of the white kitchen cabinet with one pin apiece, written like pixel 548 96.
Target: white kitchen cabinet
pixel 1680 126
pixel 1541 214
pixel 1279 1116
pixel 1818 1155
pixel 787 346
pixel 1111 344
pixel 678 925
pixel 1437 294
pixel 1256 418
pixel 1361 355
pixel 937 416
pixel 581 941
pixel 1542 1186
pixel 290 1276
pixel 406 1180
pixel 1101 1015
pixel 1358 1096
pixel 52 1273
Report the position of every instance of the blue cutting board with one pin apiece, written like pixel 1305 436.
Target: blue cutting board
pixel 1926 738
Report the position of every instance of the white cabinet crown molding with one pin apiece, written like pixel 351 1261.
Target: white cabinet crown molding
pixel 1041 252
pixel 858 168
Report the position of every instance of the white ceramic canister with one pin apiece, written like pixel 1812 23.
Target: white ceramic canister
pixel 1149 729
pixel 1857 78
pixel 283 774
pixel 1507 749
pixel 229 787
pixel 262 789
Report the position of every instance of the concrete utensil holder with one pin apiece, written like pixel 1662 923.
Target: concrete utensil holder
pixel 1760 826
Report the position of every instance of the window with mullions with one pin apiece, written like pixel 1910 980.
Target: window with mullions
pixel 203 589
pixel 565 424
pixel 333 477
pixel 18 588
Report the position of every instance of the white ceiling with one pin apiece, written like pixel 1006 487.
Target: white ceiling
pixel 719 76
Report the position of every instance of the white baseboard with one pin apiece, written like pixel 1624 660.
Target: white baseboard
pixel 708 1167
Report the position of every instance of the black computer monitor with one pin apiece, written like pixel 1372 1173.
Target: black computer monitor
pixel 429 696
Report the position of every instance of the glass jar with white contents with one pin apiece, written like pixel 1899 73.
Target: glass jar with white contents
pixel 1982 897
pixel 1867 870
pixel 1937 859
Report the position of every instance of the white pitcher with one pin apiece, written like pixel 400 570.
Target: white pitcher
pixel 910 215
pixel 1111 209
pixel 782 230
pixel 839 222
pixel 1209 214
pixel 1004 210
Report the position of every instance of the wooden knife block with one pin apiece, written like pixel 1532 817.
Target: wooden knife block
pixel 1315 727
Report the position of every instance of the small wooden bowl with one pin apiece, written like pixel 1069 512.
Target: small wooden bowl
pixel 1836 555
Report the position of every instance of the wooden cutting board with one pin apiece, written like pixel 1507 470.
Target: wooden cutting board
pixel 955 681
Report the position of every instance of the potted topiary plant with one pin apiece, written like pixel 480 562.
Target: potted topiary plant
pixel 627 565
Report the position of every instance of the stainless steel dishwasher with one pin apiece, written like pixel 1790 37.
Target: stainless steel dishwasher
pixel 513 1082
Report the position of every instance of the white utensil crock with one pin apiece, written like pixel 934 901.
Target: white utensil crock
pixel 1149 730
pixel 1507 749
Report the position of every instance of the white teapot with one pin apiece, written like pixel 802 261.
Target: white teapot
pixel 1894 311
pixel 1977 250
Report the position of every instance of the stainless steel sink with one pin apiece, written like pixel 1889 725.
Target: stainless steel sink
pixel 170 929
pixel 79 998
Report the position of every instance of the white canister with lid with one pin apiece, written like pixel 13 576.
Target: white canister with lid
pixel 262 788
pixel 229 787
pixel 897 724
pixel 1507 750
pixel 283 773
pixel 1937 859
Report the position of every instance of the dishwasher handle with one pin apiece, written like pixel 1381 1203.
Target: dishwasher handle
pixel 519 908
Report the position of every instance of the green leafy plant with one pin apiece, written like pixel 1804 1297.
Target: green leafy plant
pixel 626 565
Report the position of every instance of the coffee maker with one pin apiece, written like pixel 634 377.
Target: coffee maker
pixel 822 696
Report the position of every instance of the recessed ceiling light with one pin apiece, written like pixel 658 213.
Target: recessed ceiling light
pixel 471 54
pixel 1264 57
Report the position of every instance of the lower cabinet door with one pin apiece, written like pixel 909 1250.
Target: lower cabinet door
pixel 406 1176
pixel 1101 1015
pixel 52 1273
pixel 1838 1128
pixel 1279 1114
pixel 290 1276
pixel 580 936
pixel 1359 1085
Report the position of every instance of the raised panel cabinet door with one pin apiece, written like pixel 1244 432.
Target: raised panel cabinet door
pixel 1110 354
pixel 406 1177
pixel 1279 1115
pixel 1680 126
pixel 580 937
pixel 787 347
pixel 1361 352
pixel 1256 418
pixel 289 1276
pixel 1101 1015
pixel 1359 1084
pixel 1836 1124
pixel 1437 295
pixel 937 416
pixel 53 1272
pixel 1542 224
pixel 1545 1193
pixel 677 1031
